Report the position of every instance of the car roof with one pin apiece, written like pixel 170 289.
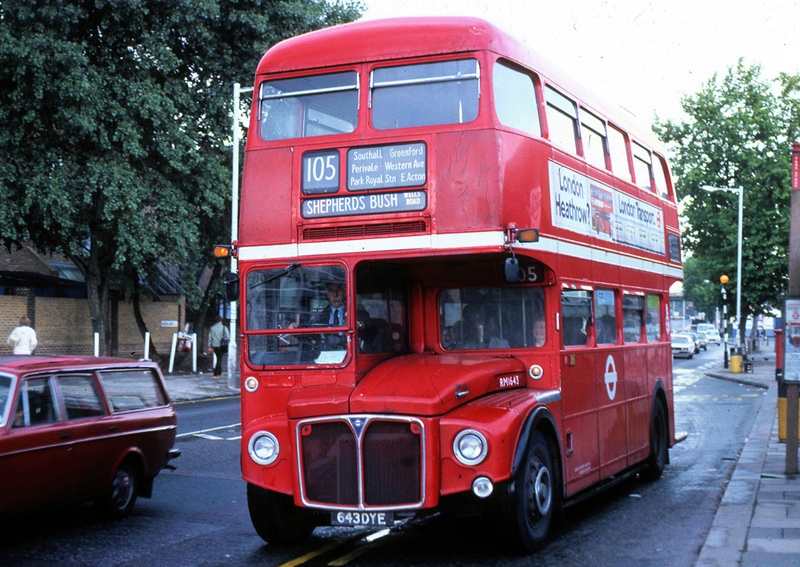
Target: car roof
pixel 20 365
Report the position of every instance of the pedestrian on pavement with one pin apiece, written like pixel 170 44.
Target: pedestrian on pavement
pixel 23 338
pixel 218 338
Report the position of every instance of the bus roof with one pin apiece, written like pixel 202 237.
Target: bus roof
pixel 398 38
pixel 378 40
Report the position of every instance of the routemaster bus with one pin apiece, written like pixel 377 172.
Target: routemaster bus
pixel 453 275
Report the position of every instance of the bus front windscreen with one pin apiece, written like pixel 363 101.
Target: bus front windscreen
pixel 290 312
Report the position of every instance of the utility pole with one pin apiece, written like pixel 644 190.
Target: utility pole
pixel 794 292
pixel 233 355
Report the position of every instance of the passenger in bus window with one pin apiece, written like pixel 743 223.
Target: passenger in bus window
pixel 539 331
pixel 606 330
pixel 474 330
pixel 495 340
pixel 632 327
pixel 448 338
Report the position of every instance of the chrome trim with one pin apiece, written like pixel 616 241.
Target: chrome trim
pixel 358 423
pixel 548 397
pixel 71 443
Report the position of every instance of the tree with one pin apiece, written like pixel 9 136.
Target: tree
pixel 115 115
pixel 738 133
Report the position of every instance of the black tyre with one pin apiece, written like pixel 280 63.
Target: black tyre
pixel 659 442
pixel 118 502
pixel 275 517
pixel 530 501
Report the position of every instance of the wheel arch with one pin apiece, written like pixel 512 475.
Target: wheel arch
pixel 541 419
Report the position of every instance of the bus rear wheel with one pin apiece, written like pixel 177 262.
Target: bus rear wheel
pixel 532 498
pixel 659 442
pixel 275 517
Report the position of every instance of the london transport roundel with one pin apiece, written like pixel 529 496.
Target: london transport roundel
pixel 611 377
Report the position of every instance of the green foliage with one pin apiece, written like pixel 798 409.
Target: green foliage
pixel 115 123
pixel 738 133
pixel 703 292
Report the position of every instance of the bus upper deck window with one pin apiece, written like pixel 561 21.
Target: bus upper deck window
pixel 593 136
pixel 303 107
pixel 660 176
pixel 562 120
pixel 426 94
pixel 619 153
pixel 641 166
pixel 515 99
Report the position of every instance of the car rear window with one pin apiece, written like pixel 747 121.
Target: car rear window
pixel 129 390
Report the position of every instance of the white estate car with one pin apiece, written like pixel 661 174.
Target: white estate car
pixel 682 345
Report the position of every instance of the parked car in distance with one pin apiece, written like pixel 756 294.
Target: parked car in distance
pixel 682 345
pixel 712 335
pixel 77 429
pixel 699 342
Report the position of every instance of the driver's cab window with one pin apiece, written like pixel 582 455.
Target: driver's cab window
pixel 297 315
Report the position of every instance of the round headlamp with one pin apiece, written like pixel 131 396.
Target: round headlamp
pixel 263 448
pixel 470 447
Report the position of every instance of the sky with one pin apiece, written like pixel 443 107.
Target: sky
pixel 644 55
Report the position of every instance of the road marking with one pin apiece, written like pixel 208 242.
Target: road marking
pixel 203 431
pixel 312 555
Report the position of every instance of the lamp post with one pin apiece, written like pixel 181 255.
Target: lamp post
pixel 739 190
pixel 723 280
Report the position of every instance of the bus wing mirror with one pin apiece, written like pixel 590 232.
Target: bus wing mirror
pixel 231 282
pixel 512 270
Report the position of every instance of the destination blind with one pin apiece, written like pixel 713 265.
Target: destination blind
pixel 398 201
pixel 384 167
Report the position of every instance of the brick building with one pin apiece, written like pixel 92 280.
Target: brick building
pixel 51 292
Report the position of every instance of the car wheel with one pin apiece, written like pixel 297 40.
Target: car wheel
pixel 275 517
pixel 118 502
pixel 659 442
pixel 530 500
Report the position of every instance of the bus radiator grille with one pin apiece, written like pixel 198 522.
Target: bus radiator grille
pixel 391 463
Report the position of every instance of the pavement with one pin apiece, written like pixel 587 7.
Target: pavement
pixel 186 386
pixel 758 520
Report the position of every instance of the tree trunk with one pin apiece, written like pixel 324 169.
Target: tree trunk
pixel 137 314
pixel 202 311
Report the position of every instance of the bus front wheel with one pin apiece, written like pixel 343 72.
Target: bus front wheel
pixel 532 498
pixel 275 517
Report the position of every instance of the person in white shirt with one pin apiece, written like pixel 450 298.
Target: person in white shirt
pixel 23 338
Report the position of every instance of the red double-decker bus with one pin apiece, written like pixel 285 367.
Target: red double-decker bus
pixel 453 282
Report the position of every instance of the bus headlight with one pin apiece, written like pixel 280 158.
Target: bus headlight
pixel 470 447
pixel 263 448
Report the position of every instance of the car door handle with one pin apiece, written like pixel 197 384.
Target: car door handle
pixel 112 428
pixel 66 435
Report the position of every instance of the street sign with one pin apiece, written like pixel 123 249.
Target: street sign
pixel 791 334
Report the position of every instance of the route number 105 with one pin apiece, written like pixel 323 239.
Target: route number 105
pixel 320 172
